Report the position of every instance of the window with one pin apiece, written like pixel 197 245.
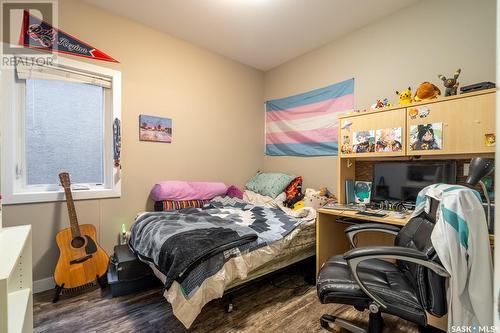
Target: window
pixel 59 118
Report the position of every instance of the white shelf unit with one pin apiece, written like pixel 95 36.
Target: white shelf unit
pixel 16 298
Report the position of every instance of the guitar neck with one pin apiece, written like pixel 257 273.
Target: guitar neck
pixel 73 219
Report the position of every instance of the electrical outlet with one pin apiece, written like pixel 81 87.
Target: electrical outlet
pixel 466 169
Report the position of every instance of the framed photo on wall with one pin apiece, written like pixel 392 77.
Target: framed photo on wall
pixel 155 129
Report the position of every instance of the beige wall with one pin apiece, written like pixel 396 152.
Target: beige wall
pixel 412 46
pixel 215 104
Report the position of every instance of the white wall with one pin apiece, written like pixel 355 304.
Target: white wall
pixel 414 45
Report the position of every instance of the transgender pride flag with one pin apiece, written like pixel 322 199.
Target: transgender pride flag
pixel 307 124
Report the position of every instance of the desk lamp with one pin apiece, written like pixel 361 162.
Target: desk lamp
pixel 481 167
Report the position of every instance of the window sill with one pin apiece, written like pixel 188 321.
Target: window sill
pixel 54 196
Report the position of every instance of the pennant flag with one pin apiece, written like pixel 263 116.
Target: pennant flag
pixel 40 35
pixel 307 124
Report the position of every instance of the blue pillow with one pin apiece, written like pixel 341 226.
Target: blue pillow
pixel 269 184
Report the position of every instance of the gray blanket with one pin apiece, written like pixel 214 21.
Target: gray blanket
pixel 269 224
pixel 176 241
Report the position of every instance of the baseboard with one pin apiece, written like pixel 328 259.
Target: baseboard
pixel 43 285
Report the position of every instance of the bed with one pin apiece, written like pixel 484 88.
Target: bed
pixel 283 237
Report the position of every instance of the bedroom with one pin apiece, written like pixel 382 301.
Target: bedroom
pixel 210 68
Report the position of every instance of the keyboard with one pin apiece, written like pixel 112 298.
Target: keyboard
pixel 340 207
pixel 371 214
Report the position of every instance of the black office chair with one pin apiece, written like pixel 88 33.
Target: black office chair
pixel 407 288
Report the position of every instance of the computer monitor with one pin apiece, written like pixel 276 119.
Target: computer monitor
pixel 401 181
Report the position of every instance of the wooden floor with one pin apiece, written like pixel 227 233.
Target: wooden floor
pixel 275 306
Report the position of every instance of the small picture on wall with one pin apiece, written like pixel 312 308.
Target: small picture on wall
pixel 362 192
pixel 363 142
pixel 388 140
pixel 155 129
pixel 426 136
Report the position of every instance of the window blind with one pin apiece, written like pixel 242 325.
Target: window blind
pixel 33 71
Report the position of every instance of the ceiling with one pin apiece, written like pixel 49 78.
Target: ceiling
pixel 259 33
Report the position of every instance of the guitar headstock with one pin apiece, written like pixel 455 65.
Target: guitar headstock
pixel 64 178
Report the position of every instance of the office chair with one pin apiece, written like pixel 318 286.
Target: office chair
pixel 407 287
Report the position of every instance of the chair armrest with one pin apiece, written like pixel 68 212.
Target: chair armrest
pixel 353 230
pixel 356 256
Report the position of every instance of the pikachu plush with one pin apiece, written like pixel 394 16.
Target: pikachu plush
pixel 405 96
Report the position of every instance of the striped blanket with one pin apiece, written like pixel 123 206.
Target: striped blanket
pixel 307 124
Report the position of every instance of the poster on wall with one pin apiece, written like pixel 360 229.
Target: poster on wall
pixel 388 140
pixel 155 129
pixel 426 136
pixel 363 142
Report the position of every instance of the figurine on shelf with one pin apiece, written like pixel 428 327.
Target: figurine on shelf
pixel 381 103
pixel 426 91
pixel 404 96
pixel 378 105
pixel 450 84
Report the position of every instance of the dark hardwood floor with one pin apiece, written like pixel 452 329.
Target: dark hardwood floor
pixel 276 306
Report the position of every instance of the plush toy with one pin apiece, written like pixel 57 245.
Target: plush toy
pixel 381 103
pixel 425 91
pixel 450 84
pixel 404 96
pixel 378 105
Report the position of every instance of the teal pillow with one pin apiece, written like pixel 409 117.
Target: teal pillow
pixel 270 184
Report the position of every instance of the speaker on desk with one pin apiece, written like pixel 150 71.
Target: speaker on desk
pixel 349 191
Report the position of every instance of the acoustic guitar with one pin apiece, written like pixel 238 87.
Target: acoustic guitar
pixel 81 260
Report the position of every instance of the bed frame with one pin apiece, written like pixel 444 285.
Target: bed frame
pixel 305 259
pixel 300 251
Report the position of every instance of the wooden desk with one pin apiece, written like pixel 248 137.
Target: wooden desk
pixel 331 239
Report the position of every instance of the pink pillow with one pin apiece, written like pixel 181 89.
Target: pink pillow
pixel 181 190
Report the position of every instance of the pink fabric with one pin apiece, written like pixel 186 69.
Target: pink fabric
pixel 181 190
pixel 312 110
pixel 315 135
pixel 234 192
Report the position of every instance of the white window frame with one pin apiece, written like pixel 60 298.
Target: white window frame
pixel 13 170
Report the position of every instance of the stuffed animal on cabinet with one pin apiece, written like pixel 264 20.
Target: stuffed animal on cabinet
pixel 378 105
pixel 426 91
pixel 450 84
pixel 405 96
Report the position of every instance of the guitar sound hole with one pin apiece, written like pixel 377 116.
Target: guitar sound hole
pixel 78 242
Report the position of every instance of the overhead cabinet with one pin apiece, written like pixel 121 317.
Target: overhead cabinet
pixel 462 124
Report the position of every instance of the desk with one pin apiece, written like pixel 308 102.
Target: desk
pixel 331 239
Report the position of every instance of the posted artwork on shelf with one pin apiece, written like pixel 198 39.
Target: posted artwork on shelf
pixel 363 142
pixel 388 140
pixel 426 136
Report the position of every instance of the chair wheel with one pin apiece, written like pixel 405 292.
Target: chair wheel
pixel 325 320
